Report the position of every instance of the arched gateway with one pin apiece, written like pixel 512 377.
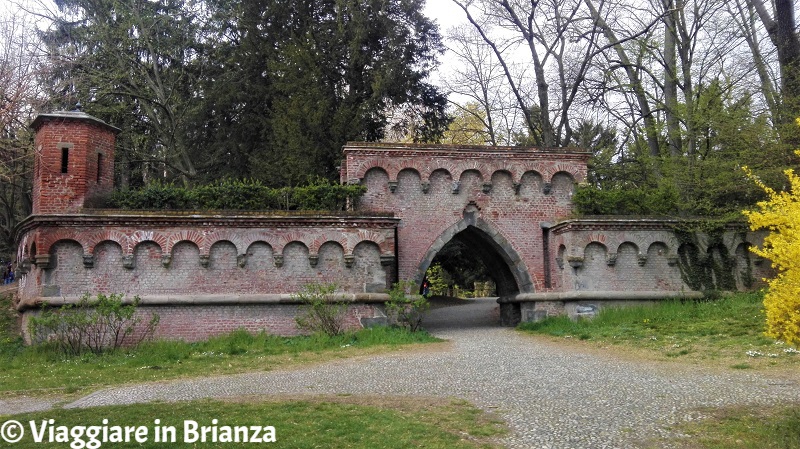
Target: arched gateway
pixel 213 272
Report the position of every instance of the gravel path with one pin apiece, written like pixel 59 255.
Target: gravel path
pixel 550 396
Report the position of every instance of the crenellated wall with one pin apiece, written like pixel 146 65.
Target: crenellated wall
pixel 647 254
pixel 496 199
pixel 211 272
pixel 599 262
pixel 178 261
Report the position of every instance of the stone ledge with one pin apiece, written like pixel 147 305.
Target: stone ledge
pixel 599 296
pixel 179 300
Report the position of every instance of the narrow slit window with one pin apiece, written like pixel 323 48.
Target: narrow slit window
pixel 64 160
pixel 99 167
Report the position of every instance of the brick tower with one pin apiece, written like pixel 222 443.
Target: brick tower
pixel 74 160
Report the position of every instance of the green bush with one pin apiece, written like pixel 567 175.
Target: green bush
pixel 99 325
pixel 590 200
pixel 404 308
pixel 323 312
pixel 318 195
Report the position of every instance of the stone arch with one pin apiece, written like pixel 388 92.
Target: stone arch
pixel 367 265
pixel 327 236
pixel 65 271
pixel 99 237
pixel 237 240
pixel 502 184
pixel 441 181
pixel 376 180
pixel 331 258
pixel 470 166
pixel 223 254
pixel 375 163
pixel 531 184
pixel 562 186
pixel 260 256
pixel 193 236
pixel 489 244
pixel 140 237
pixel 446 165
pixel 408 180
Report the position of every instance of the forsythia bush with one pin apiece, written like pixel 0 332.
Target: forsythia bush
pixel 780 213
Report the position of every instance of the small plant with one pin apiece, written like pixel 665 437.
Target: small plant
pixel 438 280
pixel 323 312
pixel 99 325
pixel 404 308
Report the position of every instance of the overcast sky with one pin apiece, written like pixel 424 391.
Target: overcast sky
pixel 445 12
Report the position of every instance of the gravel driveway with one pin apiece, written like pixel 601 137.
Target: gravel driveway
pixel 551 396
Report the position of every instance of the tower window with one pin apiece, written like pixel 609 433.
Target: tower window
pixel 64 160
pixel 99 167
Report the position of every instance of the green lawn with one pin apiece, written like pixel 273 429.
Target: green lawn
pixel 334 422
pixel 744 428
pixel 727 332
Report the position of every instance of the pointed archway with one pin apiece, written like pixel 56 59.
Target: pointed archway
pixel 508 270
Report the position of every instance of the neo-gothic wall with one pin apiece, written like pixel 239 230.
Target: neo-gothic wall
pixel 176 255
pixel 503 193
pixel 650 255
pixel 212 272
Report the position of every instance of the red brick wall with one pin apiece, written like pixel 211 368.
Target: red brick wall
pixel 55 192
pixel 513 189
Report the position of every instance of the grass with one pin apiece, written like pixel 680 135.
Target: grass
pixel 335 422
pixel 727 332
pixel 743 427
pixel 42 370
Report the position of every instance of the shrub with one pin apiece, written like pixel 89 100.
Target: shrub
pixel 780 213
pixel 318 195
pixel 323 312
pixel 99 325
pixel 404 308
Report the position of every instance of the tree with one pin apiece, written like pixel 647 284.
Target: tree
pixel 547 31
pixel 133 64
pixel 780 213
pixel 20 96
pixel 291 82
pixel 482 81
pixel 470 126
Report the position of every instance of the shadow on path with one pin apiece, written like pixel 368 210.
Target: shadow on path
pixel 453 313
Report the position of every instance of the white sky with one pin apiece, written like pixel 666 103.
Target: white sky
pixel 445 12
pixel 447 15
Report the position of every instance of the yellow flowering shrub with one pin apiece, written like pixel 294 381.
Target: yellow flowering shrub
pixel 780 214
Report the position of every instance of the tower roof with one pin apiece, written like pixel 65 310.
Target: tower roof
pixel 70 115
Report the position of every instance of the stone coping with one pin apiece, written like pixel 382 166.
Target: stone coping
pixel 605 222
pixel 243 220
pixel 203 300
pixel 423 148
pixel 600 296
pixel 71 115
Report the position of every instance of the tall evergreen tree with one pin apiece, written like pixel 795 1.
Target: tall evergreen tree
pixel 259 88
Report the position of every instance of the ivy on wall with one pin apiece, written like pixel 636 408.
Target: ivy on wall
pixel 714 270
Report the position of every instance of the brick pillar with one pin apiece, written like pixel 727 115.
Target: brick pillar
pixel 74 160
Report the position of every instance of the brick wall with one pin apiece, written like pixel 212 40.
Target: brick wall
pixel 647 255
pixel 507 193
pixel 213 272
pixel 75 161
